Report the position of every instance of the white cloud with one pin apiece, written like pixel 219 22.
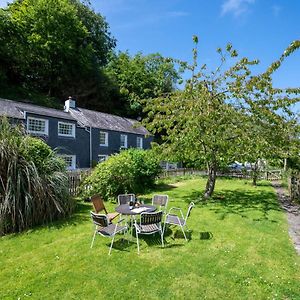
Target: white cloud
pixel 236 7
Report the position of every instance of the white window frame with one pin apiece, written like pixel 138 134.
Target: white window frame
pixel 125 141
pixel 63 134
pixel 139 138
pixel 103 156
pixel 45 132
pixel 73 166
pixel 106 138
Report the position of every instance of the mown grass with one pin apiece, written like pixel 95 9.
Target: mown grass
pixel 239 249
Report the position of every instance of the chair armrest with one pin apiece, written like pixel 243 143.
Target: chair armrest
pixel 178 209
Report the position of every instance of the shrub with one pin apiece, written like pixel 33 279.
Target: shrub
pixel 131 171
pixel 33 188
pixel 44 158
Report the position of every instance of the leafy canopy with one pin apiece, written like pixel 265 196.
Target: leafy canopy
pixel 224 114
pixel 141 77
pixel 54 46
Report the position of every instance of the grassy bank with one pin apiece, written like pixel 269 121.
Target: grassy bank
pixel 239 249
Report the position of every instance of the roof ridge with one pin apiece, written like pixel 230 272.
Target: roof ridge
pixel 126 118
pixel 29 103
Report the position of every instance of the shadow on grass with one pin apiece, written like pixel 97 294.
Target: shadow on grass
pixel 238 202
pixel 206 235
pixel 122 245
pixel 80 215
pixel 162 187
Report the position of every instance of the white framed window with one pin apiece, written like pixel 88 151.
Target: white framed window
pixel 66 129
pixel 123 141
pixel 37 125
pixel 103 138
pixel 139 142
pixel 70 161
pixel 102 157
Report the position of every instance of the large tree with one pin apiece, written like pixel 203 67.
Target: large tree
pixel 55 46
pixel 141 77
pixel 210 121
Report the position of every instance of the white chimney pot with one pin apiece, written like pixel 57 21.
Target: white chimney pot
pixel 69 104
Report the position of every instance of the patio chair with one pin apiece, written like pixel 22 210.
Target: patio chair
pixel 161 201
pixel 178 220
pixel 99 206
pixel 104 228
pixel 149 223
pixel 126 198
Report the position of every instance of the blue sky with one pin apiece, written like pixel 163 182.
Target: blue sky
pixel 257 29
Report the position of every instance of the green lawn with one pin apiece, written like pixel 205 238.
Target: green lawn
pixel 239 249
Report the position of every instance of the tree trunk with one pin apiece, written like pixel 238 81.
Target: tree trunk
pixel 211 180
pixel 255 174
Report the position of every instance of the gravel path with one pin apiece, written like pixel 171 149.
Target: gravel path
pixel 293 214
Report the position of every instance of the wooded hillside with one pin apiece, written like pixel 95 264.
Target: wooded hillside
pixel 50 49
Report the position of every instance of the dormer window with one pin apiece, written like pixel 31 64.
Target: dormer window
pixel 37 126
pixel 66 129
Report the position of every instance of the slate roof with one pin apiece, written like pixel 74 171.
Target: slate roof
pixel 15 109
pixel 84 117
pixel 91 118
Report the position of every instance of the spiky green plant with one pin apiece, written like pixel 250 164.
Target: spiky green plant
pixel 31 192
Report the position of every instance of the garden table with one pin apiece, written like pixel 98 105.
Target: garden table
pixel 125 209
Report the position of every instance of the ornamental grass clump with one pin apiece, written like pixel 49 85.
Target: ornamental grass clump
pixel 130 171
pixel 33 181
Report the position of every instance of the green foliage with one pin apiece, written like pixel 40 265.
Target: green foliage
pixel 223 115
pixel 239 249
pixel 41 154
pixel 141 77
pixel 56 47
pixel 34 185
pixel 131 171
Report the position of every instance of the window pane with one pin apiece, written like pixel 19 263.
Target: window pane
pixel 65 129
pixel 37 125
pixel 123 140
pixel 102 158
pixel 139 142
pixel 69 160
pixel 103 138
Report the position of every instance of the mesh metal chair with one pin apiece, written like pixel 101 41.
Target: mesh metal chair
pixel 99 206
pixel 106 229
pixel 161 201
pixel 126 198
pixel 149 223
pixel 178 220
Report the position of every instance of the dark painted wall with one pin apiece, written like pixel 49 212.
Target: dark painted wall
pixel 80 145
pixel 114 142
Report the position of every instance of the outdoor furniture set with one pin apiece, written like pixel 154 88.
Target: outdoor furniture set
pixel 149 221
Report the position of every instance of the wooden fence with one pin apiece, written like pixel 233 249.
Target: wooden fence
pixel 75 179
pixel 181 172
pixel 267 175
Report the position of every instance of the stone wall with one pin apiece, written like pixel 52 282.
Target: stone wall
pixel 294 186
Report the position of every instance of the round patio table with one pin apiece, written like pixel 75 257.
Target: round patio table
pixel 125 210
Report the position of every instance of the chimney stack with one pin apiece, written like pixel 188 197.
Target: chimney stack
pixel 70 103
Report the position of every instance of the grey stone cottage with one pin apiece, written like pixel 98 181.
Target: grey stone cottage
pixel 81 136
